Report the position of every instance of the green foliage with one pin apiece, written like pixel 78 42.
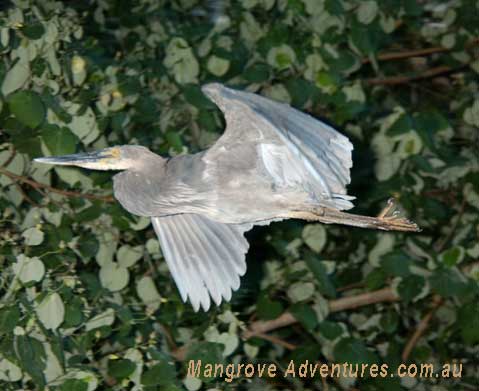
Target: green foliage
pixel 18 103
pixel 86 300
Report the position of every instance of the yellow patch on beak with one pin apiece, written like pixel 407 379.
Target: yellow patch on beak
pixel 105 159
pixel 111 157
pixel 115 152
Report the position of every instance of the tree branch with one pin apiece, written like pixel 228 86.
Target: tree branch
pixel 428 74
pixel 440 244
pixel 416 53
pixel 260 328
pixel 66 193
pixel 421 328
pixel 345 303
pixel 277 341
pixel 437 301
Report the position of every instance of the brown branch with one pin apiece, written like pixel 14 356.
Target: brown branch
pixel 350 302
pixel 345 303
pixel 437 302
pixel 66 193
pixel 428 74
pixel 169 338
pixel 421 328
pixel 260 328
pixel 179 354
pixel 25 195
pixel 348 287
pixel 417 52
pixel 277 341
pixel 11 157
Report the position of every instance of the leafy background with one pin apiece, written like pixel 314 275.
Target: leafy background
pixel 86 301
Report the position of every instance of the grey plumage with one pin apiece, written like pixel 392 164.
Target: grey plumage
pixel 272 162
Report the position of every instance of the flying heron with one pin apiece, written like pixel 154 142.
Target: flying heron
pixel 273 162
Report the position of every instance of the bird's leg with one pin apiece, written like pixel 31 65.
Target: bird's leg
pixel 388 219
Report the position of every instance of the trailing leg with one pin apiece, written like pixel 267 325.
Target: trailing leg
pixel 388 219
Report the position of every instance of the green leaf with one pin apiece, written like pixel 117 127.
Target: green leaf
pixel 181 61
pixel 127 255
pixel 218 66
pixel 33 31
pixel 330 330
pixel 427 124
pixel 28 269
pixel 89 214
pixel 16 78
pixel 396 264
pixel 300 91
pixel 195 96
pixel 412 7
pixel 326 81
pixel 162 374
pixel 88 246
pixel 365 37
pixel 468 321
pixel 27 107
pixel 147 292
pixel 367 11
pixel 314 235
pixel 121 369
pixel 281 57
pixel 448 283
pixel 33 236
pixel 305 315
pixel 257 73
pixel 402 125
pixel 410 287
pixel 51 311
pixel 334 7
pixel 9 317
pixel 353 351
pixel 325 286
pixel 73 313
pixel 52 103
pixel 174 140
pixel 59 140
pixel 114 277
pixel 106 318
pixel 300 291
pixel 208 353
pixel 31 357
pixel 389 322
pixel 309 352
pixel 452 256
pixel 9 371
pixel 268 309
pixel 74 385
pixel 375 279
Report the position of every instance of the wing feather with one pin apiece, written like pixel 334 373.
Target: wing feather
pixel 206 258
pixel 216 261
pixel 197 257
pixel 320 155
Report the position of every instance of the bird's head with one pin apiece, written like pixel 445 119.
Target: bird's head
pixel 122 157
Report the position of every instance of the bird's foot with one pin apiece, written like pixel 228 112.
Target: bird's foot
pixel 392 220
pixel 389 209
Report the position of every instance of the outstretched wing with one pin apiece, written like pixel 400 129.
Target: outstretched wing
pixel 294 147
pixel 206 258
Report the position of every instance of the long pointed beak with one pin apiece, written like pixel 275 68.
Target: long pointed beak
pixel 105 159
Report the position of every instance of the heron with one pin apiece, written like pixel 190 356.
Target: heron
pixel 273 162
